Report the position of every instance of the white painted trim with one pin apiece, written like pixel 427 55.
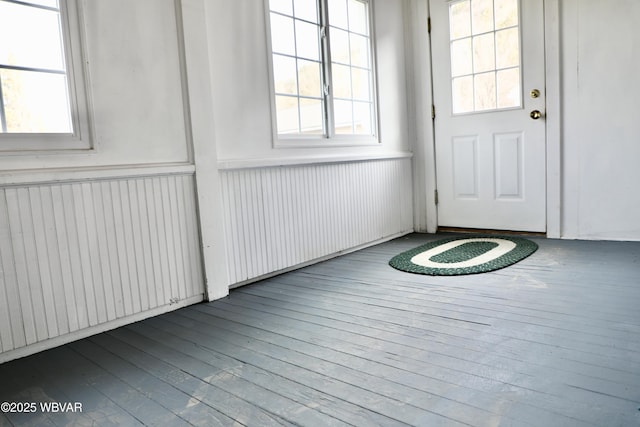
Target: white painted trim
pixel 420 99
pixel 553 117
pixel 53 176
pixel 320 259
pixel 233 164
pixel 86 332
pixel 194 45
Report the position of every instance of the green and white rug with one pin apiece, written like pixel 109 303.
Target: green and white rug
pixel 464 255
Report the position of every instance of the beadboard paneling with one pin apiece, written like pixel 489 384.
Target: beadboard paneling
pixel 76 255
pixel 279 217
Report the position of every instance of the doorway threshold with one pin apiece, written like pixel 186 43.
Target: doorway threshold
pixel 489 231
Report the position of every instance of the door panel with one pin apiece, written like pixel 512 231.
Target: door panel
pixel 490 154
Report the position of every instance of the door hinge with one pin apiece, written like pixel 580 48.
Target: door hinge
pixel 433 112
pixel 429 25
pixel 435 196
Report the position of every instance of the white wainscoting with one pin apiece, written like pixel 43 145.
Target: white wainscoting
pixel 284 216
pixel 79 257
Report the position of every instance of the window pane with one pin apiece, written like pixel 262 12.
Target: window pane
pixel 483 53
pixel 484 88
pixel 30 37
pixel 362 114
pixel 311 116
pixel 282 35
pixel 339 46
pixel 358 17
pixel 287 114
pixel 307 40
pixel 284 74
pixel 338 14
pixel 35 102
pixel 462 94
pixel 461 58
pixel 343 113
pixel 481 16
pixel 309 77
pixel 506 13
pixel 341 81
pixel 509 88
pixel 361 84
pixel 460 18
pixel 507 48
pixel 306 9
pixel 282 6
pixel 359 51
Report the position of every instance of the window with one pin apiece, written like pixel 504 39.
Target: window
pixel 485 55
pixel 322 69
pixel 38 95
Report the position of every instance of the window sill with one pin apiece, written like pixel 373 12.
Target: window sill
pixel 234 164
pixel 20 144
pixel 321 141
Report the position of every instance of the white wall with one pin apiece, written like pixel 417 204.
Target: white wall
pixel 600 99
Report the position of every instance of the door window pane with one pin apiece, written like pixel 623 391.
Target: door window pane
pixel 462 94
pixel 506 13
pixel 483 53
pixel 481 16
pixel 507 48
pixel 460 22
pixel 508 88
pixel 484 90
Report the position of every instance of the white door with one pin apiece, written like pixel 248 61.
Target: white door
pixel 488 85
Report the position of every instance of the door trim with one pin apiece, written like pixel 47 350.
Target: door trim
pixel 553 128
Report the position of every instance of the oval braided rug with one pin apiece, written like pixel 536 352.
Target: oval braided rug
pixel 464 255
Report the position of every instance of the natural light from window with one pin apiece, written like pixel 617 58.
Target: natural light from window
pixel 485 55
pixel 322 67
pixel 34 91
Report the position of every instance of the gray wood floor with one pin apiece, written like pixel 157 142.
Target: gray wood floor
pixel 551 341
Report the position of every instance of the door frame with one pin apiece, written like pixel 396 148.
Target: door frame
pixel 426 214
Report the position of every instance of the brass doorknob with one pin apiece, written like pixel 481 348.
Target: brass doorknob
pixel 535 114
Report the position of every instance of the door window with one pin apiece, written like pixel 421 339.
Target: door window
pixel 484 38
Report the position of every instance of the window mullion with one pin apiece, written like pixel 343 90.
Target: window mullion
pixel 326 70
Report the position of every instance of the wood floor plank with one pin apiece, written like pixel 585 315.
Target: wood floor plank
pixel 476 339
pixel 200 388
pixel 490 377
pixel 352 387
pixel 166 331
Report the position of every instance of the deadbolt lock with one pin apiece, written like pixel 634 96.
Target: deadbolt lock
pixel 535 93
